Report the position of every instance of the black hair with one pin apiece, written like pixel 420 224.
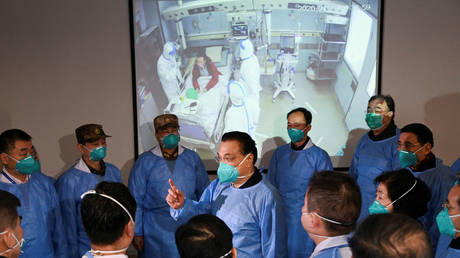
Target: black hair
pixel 304 111
pixel 335 196
pixel 9 137
pixel 390 235
pixel 248 145
pixel 388 99
pixel 204 236
pixel 423 133
pixel 414 203
pixel 103 219
pixel 8 210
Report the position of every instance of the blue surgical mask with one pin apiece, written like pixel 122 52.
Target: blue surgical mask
pixel 170 141
pixel 445 224
pixel 374 121
pixel 377 208
pixel 296 134
pixel 228 173
pixel 18 243
pixel 27 165
pixel 407 158
pixel 97 153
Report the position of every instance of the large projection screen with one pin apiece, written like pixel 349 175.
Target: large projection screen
pixel 322 55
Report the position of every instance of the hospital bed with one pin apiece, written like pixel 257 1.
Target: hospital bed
pixel 201 121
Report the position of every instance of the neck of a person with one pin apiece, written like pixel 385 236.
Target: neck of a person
pixel 240 181
pixel 318 237
pixel 14 173
pixel 169 151
pixel 117 246
pixel 92 163
pixel 381 129
pixel 301 142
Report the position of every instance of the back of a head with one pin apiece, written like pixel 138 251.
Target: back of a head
pixel 204 236
pixel 423 133
pixel 247 144
pixel 103 219
pixel 8 210
pixel 337 197
pixel 390 235
pixel 414 202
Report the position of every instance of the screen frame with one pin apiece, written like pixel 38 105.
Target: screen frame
pixel 380 32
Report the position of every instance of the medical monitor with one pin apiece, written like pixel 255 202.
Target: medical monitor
pixel 252 86
pixel 240 30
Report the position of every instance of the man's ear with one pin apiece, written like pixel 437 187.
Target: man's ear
pixel 80 148
pixel 129 229
pixel 234 252
pixel 4 158
pixel 390 114
pixel 308 128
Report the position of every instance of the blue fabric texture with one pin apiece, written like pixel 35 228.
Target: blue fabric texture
pixel 440 180
pixel 44 233
pixel 149 185
pixel 450 253
pixel 254 214
pixel 372 158
pixel 443 245
pixel 290 172
pixel 70 186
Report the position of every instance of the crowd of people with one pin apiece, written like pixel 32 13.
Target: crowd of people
pixel 398 199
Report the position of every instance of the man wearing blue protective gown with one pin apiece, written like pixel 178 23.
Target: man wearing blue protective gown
pixel 415 144
pixel 83 176
pixel 376 152
pixel 291 168
pixel 448 223
pixel 329 214
pixel 250 206
pixel 41 216
pixel 148 183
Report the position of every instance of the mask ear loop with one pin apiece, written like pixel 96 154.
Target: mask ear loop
pixel 403 194
pixel 108 197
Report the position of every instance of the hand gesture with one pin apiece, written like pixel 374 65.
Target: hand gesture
pixel 175 198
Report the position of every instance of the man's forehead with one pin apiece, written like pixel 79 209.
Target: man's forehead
pixel 20 144
pixel 296 117
pixel 229 147
pixel 378 103
pixel 408 137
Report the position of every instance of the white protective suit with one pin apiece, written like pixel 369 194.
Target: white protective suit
pixel 237 116
pixel 169 72
pixel 250 75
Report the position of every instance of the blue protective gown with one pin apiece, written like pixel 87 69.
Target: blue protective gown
pixel 70 186
pixel 149 185
pixel 443 245
pixel 44 231
pixel 372 158
pixel 254 214
pixel 440 180
pixel 449 253
pixel 290 172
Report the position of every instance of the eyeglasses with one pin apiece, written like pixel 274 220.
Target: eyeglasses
pixel 226 159
pixel 407 145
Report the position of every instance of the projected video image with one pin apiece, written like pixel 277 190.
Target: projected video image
pixel 242 65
